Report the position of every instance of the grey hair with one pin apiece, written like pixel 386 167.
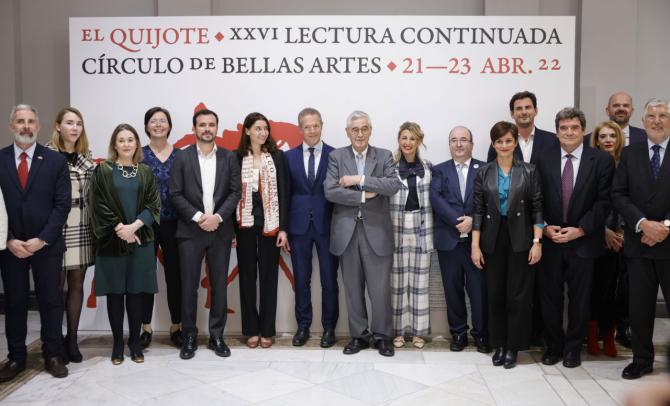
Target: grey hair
pixel 571 112
pixel 308 111
pixel 654 102
pixel 463 127
pixel 21 107
pixel 355 115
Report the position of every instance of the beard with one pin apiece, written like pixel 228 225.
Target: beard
pixel 621 121
pixel 25 139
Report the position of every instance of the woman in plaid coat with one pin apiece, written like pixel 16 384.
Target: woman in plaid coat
pixel 69 138
pixel 412 218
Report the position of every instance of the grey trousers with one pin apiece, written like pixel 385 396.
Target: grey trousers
pixel 361 267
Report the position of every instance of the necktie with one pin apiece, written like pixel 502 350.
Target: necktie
pixel 461 180
pixel 656 161
pixel 360 164
pixel 310 167
pixel 566 185
pixel 23 169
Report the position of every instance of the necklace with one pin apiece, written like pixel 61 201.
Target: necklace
pixel 125 173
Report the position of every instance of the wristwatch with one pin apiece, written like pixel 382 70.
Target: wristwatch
pixel 666 223
pixel 537 241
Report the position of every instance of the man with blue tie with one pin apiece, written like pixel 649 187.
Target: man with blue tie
pixel 451 198
pixel 35 183
pixel 309 226
pixel 641 194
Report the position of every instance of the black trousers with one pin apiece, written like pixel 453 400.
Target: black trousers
pixel 606 272
pixel 561 265
pixel 645 276
pixel 509 282
pixel 191 253
pixel 258 255
pixel 165 234
pixel 46 268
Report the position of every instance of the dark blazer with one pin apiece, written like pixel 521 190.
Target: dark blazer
pixel 635 194
pixel 590 199
pixel 448 205
pixel 524 205
pixel 542 139
pixel 186 191
pixel 41 209
pixel 636 135
pixel 306 198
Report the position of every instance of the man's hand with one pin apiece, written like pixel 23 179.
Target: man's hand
pixel 350 180
pixel 552 232
pixel 613 240
pixel 33 245
pixel 209 222
pixel 647 240
pixel 17 247
pixel 654 230
pixel 370 195
pixel 465 225
pixel 567 234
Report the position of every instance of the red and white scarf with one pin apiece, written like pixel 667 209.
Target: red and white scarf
pixel 267 187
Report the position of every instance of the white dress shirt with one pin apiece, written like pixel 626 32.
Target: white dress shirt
pixel 317 156
pixel 365 155
pixel 208 177
pixel 527 146
pixel 576 159
pixel 17 154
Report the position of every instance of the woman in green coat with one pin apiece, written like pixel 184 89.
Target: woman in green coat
pixel 124 206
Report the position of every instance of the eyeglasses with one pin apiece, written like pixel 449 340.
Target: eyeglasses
pixel 459 141
pixel 158 121
pixel 362 130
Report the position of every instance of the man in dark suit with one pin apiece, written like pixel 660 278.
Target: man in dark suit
pixel 619 109
pixel 641 194
pixel 453 207
pixel 532 140
pixel 309 226
pixel 576 181
pixel 36 187
pixel 360 180
pixel 204 188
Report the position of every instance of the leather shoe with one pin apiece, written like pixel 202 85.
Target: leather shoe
pixel 175 337
pixel 145 338
pixel 572 360
pixel 328 338
pixel 509 361
pixel 300 337
pixel 550 358
pixel 458 343
pixel 355 346
pixel 498 357
pixel 219 347
pixel 137 357
pixel 385 347
pixel 56 367
pixel 11 369
pixel 482 345
pixel 635 370
pixel 188 348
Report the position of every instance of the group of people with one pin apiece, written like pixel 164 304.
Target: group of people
pixel 545 211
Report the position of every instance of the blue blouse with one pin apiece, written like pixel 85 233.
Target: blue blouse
pixel 503 190
pixel 161 171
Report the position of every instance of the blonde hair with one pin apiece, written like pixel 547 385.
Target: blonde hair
pixel 618 133
pixel 112 155
pixel 416 131
pixel 81 145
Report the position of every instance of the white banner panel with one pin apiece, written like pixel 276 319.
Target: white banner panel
pixel 439 71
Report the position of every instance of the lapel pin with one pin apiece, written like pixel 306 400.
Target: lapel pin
pixel 40 157
pixel 475 166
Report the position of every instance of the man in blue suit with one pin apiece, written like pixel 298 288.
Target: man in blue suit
pixel 35 183
pixel 309 226
pixel 451 197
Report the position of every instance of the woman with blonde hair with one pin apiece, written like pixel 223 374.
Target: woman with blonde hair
pixel 412 218
pixel 609 270
pixel 69 138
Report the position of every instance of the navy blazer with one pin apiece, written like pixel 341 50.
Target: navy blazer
pixel 41 209
pixel 448 205
pixel 541 140
pixel 590 200
pixel 307 200
pixel 636 135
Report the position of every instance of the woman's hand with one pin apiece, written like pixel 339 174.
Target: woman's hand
pixel 282 240
pixel 126 232
pixel 535 253
pixel 477 257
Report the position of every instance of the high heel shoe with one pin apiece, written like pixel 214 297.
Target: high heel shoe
pixel 117 354
pixel 145 338
pixel 510 359
pixel 253 341
pixel 266 342
pixel 592 346
pixel 137 357
pixel 498 357
pixel 610 345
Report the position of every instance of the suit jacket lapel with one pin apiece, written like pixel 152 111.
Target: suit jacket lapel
pixel 469 182
pixel 663 172
pixel 452 176
pixel 219 169
pixel 555 159
pixel 514 186
pixel 10 162
pixel 196 167
pixel 323 162
pixel 370 161
pixel 36 164
pixel 585 167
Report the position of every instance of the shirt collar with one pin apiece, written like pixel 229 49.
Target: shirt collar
pixel 577 153
pixel 203 155
pixel 317 148
pixel 364 153
pixel 466 163
pixel 650 144
pixel 30 151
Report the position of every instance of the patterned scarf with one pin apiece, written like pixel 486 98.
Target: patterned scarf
pixel 267 187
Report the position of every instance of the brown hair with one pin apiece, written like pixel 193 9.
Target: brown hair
pixel 81 145
pixel 245 141
pixel 112 155
pixel 620 139
pixel 502 128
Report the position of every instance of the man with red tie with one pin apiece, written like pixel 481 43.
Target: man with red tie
pixel 36 186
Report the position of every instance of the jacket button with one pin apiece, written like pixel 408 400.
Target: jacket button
pixel 488 216
pixel 521 201
pixel 518 214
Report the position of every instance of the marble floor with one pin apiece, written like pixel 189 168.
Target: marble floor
pixel 283 375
